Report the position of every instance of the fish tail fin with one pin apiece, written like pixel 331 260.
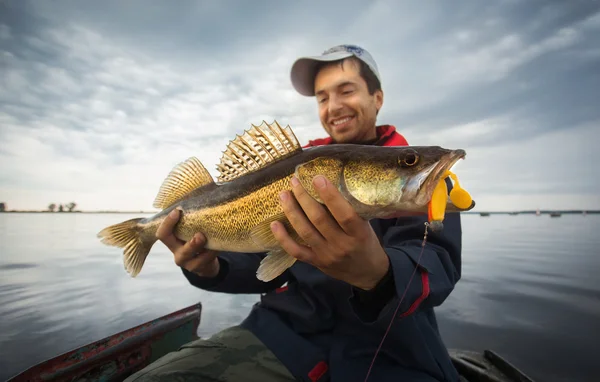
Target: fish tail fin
pixel 134 240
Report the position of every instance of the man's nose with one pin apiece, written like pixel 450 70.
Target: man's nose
pixel 335 104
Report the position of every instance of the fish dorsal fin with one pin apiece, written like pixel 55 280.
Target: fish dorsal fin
pixel 183 179
pixel 256 148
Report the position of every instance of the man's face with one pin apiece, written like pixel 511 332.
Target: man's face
pixel 347 111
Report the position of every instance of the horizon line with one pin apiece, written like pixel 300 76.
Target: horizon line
pixel 541 210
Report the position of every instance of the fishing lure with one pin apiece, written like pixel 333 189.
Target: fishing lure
pixel 437 205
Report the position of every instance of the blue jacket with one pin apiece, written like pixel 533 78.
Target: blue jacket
pixel 323 329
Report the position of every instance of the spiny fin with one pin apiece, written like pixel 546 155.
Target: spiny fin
pixel 183 179
pixel 274 264
pixel 263 236
pixel 256 148
pixel 331 168
pixel 127 235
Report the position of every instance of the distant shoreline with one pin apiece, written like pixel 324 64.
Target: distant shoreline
pixel 77 212
pixel 525 212
pixel 533 212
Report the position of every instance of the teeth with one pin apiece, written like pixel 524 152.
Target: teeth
pixel 340 121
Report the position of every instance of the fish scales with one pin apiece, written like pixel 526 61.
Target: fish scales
pixel 235 213
pixel 227 226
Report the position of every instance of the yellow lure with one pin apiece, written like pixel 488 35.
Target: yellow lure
pixel 437 205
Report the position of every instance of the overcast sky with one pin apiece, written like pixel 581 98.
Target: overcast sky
pixel 100 100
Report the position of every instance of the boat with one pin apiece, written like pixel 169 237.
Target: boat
pixel 555 214
pixel 116 357
pixel 486 366
pixel 484 214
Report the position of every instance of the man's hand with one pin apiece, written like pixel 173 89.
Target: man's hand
pixel 190 255
pixel 340 243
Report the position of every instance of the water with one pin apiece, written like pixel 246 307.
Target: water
pixel 530 291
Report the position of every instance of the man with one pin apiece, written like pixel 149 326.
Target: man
pixel 329 318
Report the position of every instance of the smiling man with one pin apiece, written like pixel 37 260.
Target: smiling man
pixel 348 92
pixel 325 317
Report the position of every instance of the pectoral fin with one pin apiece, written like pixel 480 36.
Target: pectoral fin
pixel 274 264
pixel 263 236
pixel 277 260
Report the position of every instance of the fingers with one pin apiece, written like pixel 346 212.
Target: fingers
pixel 165 231
pixel 192 252
pixel 190 255
pixel 297 218
pixel 291 246
pixel 194 257
pixel 317 214
pixel 347 218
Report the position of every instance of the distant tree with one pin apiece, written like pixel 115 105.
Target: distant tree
pixel 71 206
pixel 60 208
pixel 2 207
pixel 52 207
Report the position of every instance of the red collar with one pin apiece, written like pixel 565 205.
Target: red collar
pixel 386 134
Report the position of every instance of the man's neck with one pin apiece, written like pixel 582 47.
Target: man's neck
pixel 369 140
pixel 383 135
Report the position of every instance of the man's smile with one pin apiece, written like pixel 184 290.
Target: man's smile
pixel 340 123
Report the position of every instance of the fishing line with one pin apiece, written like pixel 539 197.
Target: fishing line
pixel 399 303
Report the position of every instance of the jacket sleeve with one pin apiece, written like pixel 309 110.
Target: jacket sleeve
pixel 237 274
pixel 435 273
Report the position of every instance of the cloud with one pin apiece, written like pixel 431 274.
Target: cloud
pixel 100 100
pixel 545 78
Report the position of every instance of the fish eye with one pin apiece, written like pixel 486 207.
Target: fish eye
pixel 409 159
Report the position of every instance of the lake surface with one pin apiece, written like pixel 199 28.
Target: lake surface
pixel 530 291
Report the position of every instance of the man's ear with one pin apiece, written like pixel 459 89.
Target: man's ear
pixel 378 99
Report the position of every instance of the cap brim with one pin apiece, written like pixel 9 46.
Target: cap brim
pixel 304 70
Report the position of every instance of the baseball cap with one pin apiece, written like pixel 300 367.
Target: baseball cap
pixel 304 69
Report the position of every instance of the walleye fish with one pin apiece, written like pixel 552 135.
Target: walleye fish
pixel 235 212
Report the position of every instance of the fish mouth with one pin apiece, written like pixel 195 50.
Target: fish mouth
pixel 432 175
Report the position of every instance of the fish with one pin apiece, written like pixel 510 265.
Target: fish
pixel 235 211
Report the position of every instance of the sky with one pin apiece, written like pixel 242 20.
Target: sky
pixel 99 100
